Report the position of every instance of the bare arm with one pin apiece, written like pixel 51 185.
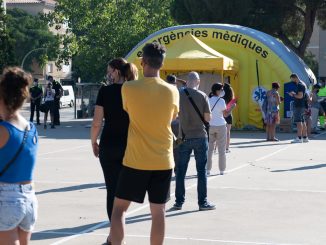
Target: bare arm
pixel 207 117
pixel 4 136
pixel 96 128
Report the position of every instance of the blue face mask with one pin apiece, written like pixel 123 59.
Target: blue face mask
pixel 222 94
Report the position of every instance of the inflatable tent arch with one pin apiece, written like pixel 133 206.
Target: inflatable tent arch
pixel 252 54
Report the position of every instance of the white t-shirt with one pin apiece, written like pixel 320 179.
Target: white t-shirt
pixel 217 111
pixel 49 95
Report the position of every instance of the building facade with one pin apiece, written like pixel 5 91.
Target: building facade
pixel 35 7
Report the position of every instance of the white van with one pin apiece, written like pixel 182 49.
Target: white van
pixel 68 97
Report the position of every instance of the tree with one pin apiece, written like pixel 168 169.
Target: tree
pixel 26 33
pixel 291 21
pixel 5 46
pixel 99 30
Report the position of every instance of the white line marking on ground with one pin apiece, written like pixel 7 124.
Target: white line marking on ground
pixel 273 153
pixel 62 150
pixel 172 195
pixel 268 189
pixel 175 238
pixel 65 182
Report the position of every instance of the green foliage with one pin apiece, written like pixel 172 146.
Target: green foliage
pixel 100 30
pixel 5 46
pixel 26 33
pixel 311 61
pixel 291 21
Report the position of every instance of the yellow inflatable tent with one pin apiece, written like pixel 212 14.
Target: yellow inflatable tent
pixel 248 59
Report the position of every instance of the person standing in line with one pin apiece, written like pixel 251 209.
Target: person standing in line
pixel 18 150
pixel 315 107
pixel 36 97
pixel 272 117
pixel 195 138
pixel 171 79
pixel 228 97
pixel 218 129
pixel 299 109
pixel 56 103
pixel 116 122
pixel 49 94
pixel 148 161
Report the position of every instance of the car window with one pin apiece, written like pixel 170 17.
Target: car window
pixel 65 92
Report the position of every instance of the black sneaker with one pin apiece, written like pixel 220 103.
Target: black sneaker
pixel 44 126
pixel 207 206
pixel 176 206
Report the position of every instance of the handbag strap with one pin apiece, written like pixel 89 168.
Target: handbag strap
pixel 17 153
pixel 195 107
pixel 216 103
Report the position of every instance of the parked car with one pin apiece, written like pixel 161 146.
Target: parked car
pixel 68 97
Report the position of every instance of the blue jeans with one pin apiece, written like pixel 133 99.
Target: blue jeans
pixel 200 147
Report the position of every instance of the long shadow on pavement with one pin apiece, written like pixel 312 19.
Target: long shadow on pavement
pixel 75 129
pixel 72 188
pixel 65 232
pixel 301 168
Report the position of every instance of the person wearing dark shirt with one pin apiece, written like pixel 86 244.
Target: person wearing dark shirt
pixel 58 94
pixel 113 139
pixel 36 97
pixel 299 107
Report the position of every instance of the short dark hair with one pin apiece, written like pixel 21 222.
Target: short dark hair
pixel 35 80
pixel 293 75
pixel 216 87
pixel 153 54
pixel 117 63
pixel 171 79
pixel 276 85
pixel 50 78
pixel 14 85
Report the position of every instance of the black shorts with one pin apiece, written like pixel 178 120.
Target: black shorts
pixel 229 119
pixel 133 185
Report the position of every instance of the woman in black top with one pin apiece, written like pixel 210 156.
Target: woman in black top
pixel 114 135
pixel 229 95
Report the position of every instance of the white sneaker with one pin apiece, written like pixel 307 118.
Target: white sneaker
pixel 296 140
pixel 305 140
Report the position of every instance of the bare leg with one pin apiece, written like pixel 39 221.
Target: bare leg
pixel 273 129
pixel 307 128
pixel 52 118
pixel 304 129
pixel 268 132
pixel 45 117
pixel 228 135
pixel 299 129
pixel 158 223
pixel 24 237
pixel 118 220
pixel 9 237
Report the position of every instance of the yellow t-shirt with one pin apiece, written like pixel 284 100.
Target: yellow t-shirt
pixel 151 104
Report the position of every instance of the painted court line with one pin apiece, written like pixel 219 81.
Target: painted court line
pixel 62 150
pixel 105 223
pixel 177 238
pixel 269 189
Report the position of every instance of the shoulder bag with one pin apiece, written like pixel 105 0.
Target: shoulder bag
pixel 6 167
pixel 206 124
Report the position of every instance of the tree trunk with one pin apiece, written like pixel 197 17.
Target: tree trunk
pixel 310 18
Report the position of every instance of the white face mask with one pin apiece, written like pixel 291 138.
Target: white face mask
pixel 222 94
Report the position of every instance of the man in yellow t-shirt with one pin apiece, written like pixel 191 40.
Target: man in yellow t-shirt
pixel 151 104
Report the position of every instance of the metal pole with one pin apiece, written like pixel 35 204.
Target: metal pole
pixel 22 65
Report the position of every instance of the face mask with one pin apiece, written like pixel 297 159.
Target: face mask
pixel 35 84
pixel 109 79
pixel 222 94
